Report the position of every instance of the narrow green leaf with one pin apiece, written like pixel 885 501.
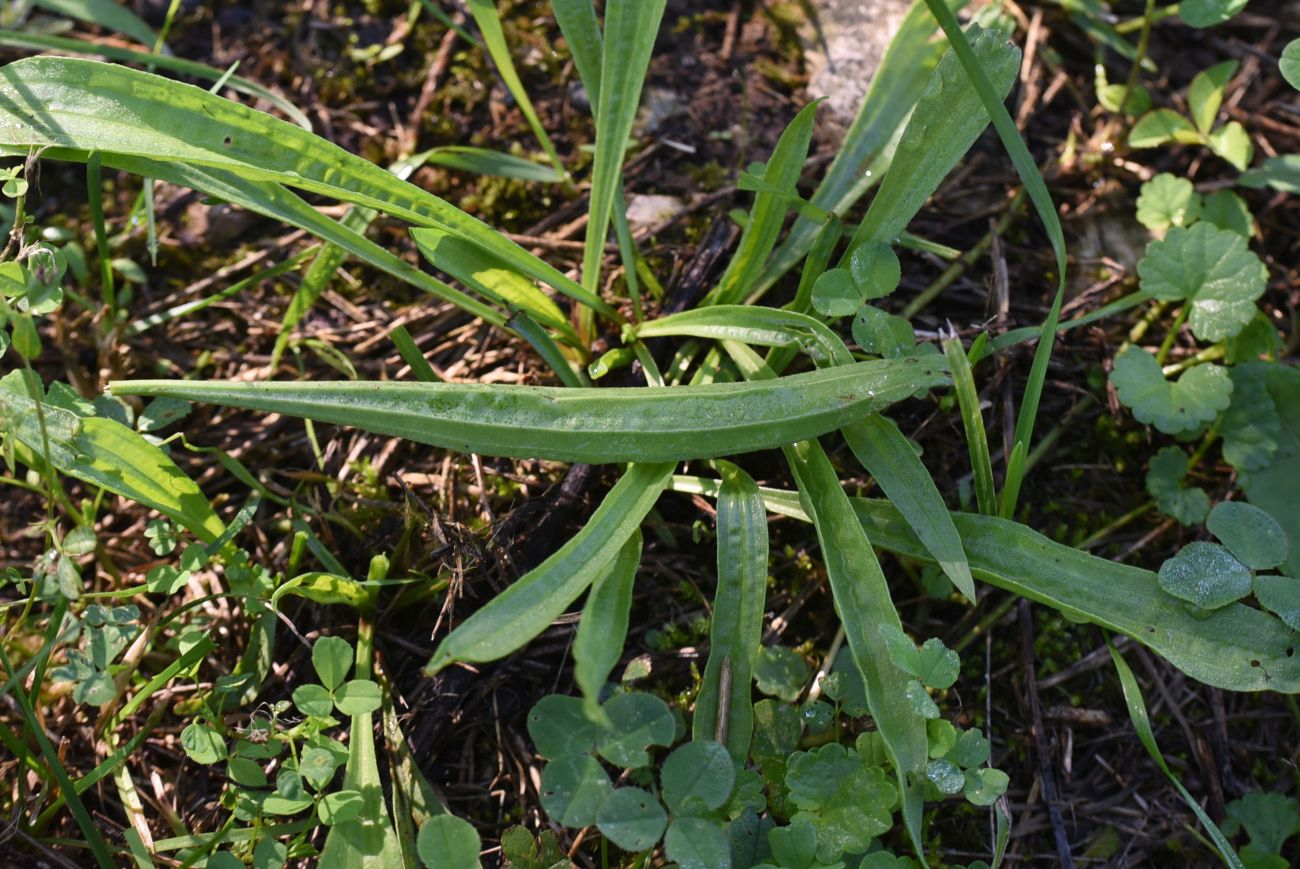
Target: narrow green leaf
pixel 589 425
pixel 736 630
pixel 577 20
pixel 753 324
pixel 630 30
pixel 528 607
pixel 886 454
pixel 43 103
pixel 489 25
pixel 106 14
pixel 239 84
pixel 948 119
pixel 1137 713
pixel 767 216
pixel 973 421
pixel 484 161
pixel 603 628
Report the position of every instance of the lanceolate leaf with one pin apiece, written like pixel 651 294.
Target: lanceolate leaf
pixel 1235 647
pixel 948 119
pixel 630 30
pixel 528 607
pixel 885 453
pixel 602 631
pixel 584 425
pixel 106 453
pixel 754 324
pixel 43 102
pixel 577 20
pixel 737 627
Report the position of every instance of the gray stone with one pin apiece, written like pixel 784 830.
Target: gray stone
pixel 856 32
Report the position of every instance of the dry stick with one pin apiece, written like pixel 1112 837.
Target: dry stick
pixel 1051 795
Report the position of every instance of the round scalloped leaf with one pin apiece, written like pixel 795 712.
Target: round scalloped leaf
pixel 1249 533
pixel 1205 574
pixel 1167 200
pixel 1280 595
pixel 632 819
pixel 1214 270
pixel 1197 397
pixel 574 788
pixel 1187 504
pixel 1251 427
pixel 1290 63
pixel 448 842
pixel 1227 210
pixel 637 721
pixel 559 727
pixel 697 777
pixel 875 269
pixel 835 294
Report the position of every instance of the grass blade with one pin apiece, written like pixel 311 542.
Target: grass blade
pixel 584 425
pixel 483 161
pixel 528 607
pixel 630 30
pixel 886 454
pixel 106 14
pixel 948 119
pixel 767 216
pixel 602 630
pixel 1042 199
pixel 489 25
pixel 973 420
pixel 752 324
pixel 736 631
pixel 43 100
pixel 577 20
pixel 862 160
pixel 1137 713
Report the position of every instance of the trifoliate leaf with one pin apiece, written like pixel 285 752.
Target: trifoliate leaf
pixel 945 775
pixel 358 697
pixel 1136 100
pixel 882 333
pixel 1207 13
pixel 637 721
pixel 1214 270
pixel 632 819
pixel 559 727
pixel 1251 427
pixel 332 659
pixel 919 701
pixel 697 777
pixel 1205 95
pixel 835 294
pixel 971 750
pixel 448 842
pixel 1198 396
pixel 934 663
pixel 1161 127
pixel 1281 173
pixel 1280 595
pixel 1205 574
pixel 1232 143
pixel 313 700
pixel 697 843
pixel 777 729
pixel 941 737
pixel 203 743
pixel 1227 210
pixel 1167 200
pixel 1249 533
pixel 1290 63
pixel 780 672
pixel 985 785
pixel 574 788
pixel 875 269
pixel 1187 504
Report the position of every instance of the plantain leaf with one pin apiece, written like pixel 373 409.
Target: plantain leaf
pixel 588 425
pixel 602 632
pixel 528 607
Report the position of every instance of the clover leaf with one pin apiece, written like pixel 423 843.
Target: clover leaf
pixel 637 721
pixel 1205 95
pixel 1161 126
pixel 697 843
pixel 632 819
pixel 985 785
pixel 882 333
pixel 1187 504
pixel 448 842
pixel 1211 268
pixel 1198 396
pixel 1250 534
pixel 559 727
pixel 1232 143
pixel 1290 63
pixel 934 663
pixel 875 269
pixel 698 777
pixel 1206 575
pixel 574 789
pixel 1167 200
pixel 1207 13
pixel 835 294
